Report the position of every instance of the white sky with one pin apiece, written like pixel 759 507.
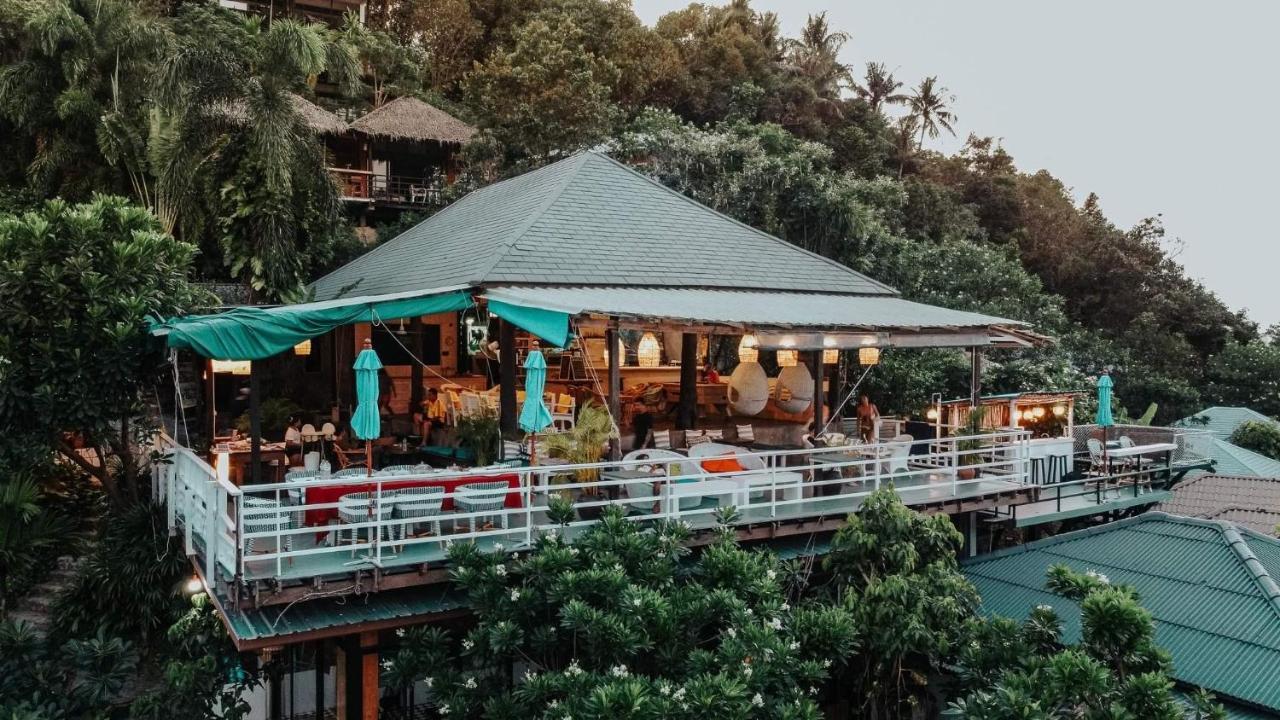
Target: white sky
pixel 1159 107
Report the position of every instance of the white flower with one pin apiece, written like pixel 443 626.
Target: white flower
pixel 826 663
pixel 746 670
pixel 813 690
pixel 498 547
pixel 1099 577
pixel 618 671
pixel 501 570
pixel 758 701
pixel 775 623
pixel 573 551
pixel 553 704
pixel 679 694
pixel 467 644
pixel 573 669
pixel 768 653
pixel 515 594
pixel 731 632
pixel 443 709
pixel 399 632
pixel 428 680
pixel 750 613
pixel 529 675
pixel 772 575
pixel 386 664
pixel 794 645
pixel 1044 608
pixel 665 689
pixel 470 684
pixel 785 607
pixel 636 601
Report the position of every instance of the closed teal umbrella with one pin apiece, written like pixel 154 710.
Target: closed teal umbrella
pixel 1103 418
pixel 534 416
pixel 365 423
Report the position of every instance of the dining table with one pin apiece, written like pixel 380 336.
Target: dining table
pixel 331 493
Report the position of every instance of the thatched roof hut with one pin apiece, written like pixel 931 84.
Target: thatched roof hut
pixel 409 118
pixel 317 118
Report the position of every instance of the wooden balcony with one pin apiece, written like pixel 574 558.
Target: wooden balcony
pixel 364 186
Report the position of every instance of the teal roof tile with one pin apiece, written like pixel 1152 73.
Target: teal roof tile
pixel 587 220
pixel 1210 587
pixel 1222 421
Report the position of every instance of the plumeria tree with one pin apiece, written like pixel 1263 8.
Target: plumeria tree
pixel 627 622
pixel 1116 671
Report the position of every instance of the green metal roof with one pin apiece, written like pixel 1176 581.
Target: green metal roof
pixel 1222 421
pixel 280 624
pixel 1210 586
pixel 587 220
pixel 1234 460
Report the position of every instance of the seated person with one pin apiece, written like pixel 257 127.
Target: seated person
pixel 293 441
pixel 433 415
pixel 709 374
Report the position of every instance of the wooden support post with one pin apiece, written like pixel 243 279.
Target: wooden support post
pixel 614 391
pixel 255 421
pixel 369 683
pixel 973 533
pixel 210 402
pixel 687 410
pixel 975 377
pixel 415 373
pixel 507 375
pixel 321 667
pixel 339 682
pixel 819 422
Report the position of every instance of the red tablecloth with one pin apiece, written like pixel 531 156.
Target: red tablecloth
pixel 331 493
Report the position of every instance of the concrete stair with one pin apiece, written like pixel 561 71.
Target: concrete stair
pixel 36 607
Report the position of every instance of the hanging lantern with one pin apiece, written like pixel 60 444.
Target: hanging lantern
pixel 1059 410
pixel 748 349
pixel 622 353
pixel 303 348
pixel 932 414
pixel 235 367
pixel 830 353
pixel 788 358
pixel 1038 412
pixel 868 356
pixel 648 352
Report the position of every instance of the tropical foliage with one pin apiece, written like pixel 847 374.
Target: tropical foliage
pixel 1258 436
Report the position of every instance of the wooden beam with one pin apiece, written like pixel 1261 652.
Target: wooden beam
pixel 415 372
pixel 255 421
pixel 614 392
pixel 369 680
pixel 687 410
pixel 507 375
pixel 819 419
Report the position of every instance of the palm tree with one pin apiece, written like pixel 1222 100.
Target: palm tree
pixel 815 56
pixel 880 87
pixel 930 106
pixel 904 140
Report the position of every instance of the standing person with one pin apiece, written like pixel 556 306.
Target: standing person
pixel 868 419
pixel 293 441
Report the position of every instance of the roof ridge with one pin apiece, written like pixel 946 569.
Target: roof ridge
pixel 1251 562
pixel 579 158
pixel 755 230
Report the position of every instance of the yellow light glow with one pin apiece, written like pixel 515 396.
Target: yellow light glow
pixel 788 358
pixel 648 352
pixel 932 414
pixel 830 354
pixel 1059 410
pixel 748 349
pixel 1038 412
pixel 235 367
pixel 303 348
pixel 868 356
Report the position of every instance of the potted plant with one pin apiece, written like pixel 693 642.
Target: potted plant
pixel 479 434
pixel 967 446
pixel 585 443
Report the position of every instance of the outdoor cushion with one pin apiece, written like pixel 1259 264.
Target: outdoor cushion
pixel 727 463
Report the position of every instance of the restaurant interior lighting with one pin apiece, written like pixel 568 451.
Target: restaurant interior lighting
pixel 235 367
pixel 830 353
pixel 788 358
pixel 1037 412
pixel 1059 410
pixel 868 356
pixel 303 348
pixel 648 352
pixel 932 414
pixel 748 349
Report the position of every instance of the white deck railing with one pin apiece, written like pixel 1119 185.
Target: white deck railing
pixel 261 532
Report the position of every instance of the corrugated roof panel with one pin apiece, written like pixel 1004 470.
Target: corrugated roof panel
pixel 1222 421
pixel 762 308
pixel 1218 614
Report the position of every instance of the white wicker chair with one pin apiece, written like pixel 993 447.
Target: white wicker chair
pixel 482 497
pixel 412 505
pixel 358 508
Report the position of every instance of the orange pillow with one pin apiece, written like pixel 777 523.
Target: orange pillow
pixel 727 463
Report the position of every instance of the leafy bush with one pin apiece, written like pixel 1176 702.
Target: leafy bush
pixel 478 432
pixel 78 679
pixel 1260 437
pixel 130 583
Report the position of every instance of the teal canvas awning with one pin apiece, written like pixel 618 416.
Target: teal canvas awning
pixel 547 323
pixel 249 333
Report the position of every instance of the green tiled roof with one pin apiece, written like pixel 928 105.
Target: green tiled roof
pixel 1210 586
pixel 1234 460
pixel 587 220
pixel 1222 421
pixel 280 624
